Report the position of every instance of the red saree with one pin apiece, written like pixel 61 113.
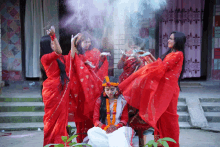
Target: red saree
pixel 55 100
pixel 154 91
pixel 131 65
pixel 85 88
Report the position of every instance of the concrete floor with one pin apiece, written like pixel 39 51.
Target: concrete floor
pixel 188 138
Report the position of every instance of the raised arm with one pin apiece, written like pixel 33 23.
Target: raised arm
pixel 54 40
pixel 121 62
pixel 49 58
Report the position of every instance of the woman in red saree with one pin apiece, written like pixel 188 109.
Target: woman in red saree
pixel 154 90
pixel 89 69
pixel 131 61
pixel 55 90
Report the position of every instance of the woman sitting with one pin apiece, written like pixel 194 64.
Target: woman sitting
pixel 110 119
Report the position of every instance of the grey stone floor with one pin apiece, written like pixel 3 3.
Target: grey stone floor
pixel 188 138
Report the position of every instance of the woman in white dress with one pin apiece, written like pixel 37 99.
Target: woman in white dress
pixel 110 119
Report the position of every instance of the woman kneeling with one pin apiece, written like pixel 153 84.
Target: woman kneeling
pixel 110 119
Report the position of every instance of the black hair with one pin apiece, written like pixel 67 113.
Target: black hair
pixel 180 40
pixel 45 48
pixel 85 36
pixel 102 110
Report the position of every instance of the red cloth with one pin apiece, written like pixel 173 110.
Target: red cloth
pixel 55 101
pixel 131 64
pixel 129 67
pixel 96 114
pixel 154 90
pixel 85 88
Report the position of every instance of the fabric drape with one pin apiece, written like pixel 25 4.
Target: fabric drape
pixel 39 16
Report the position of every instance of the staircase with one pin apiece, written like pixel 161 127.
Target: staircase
pixel 21 114
pixel 211 108
pixel 182 111
pixel 27 114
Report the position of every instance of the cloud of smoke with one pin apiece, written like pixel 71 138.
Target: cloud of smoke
pixel 101 14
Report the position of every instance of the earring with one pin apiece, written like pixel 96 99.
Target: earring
pixel 104 94
pixel 116 94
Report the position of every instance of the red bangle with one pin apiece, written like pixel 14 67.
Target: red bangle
pixel 119 125
pixel 53 37
pixel 103 126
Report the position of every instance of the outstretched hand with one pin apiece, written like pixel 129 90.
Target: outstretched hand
pixel 75 39
pixel 90 64
pixel 105 54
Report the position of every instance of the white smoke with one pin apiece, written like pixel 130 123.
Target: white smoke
pixel 99 14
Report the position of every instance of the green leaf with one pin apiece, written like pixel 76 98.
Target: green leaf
pixel 150 142
pixel 80 144
pixel 69 126
pixel 64 138
pixel 72 137
pixel 165 144
pixel 160 141
pixel 73 143
pixel 59 145
pixel 155 144
pixel 168 139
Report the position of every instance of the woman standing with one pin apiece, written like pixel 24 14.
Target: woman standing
pixel 154 90
pixel 91 67
pixel 131 61
pixel 55 90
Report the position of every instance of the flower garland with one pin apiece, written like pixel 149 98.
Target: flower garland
pixel 108 113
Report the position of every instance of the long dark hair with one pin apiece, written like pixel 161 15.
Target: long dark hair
pixel 102 110
pixel 180 40
pixel 45 48
pixel 85 36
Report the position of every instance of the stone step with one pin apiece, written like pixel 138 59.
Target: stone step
pixel 180 99
pixel 36 125
pixel 20 117
pixel 185 125
pixel 209 99
pixel 211 106
pixel 26 126
pixel 212 116
pixel 190 84
pixel 24 117
pixel 39 106
pixel 183 116
pixel 21 107
pixel 5 99
pixel 182 107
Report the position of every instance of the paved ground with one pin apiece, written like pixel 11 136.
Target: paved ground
pixel 188 138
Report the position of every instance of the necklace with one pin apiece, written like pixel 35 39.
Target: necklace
pixel 108 113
